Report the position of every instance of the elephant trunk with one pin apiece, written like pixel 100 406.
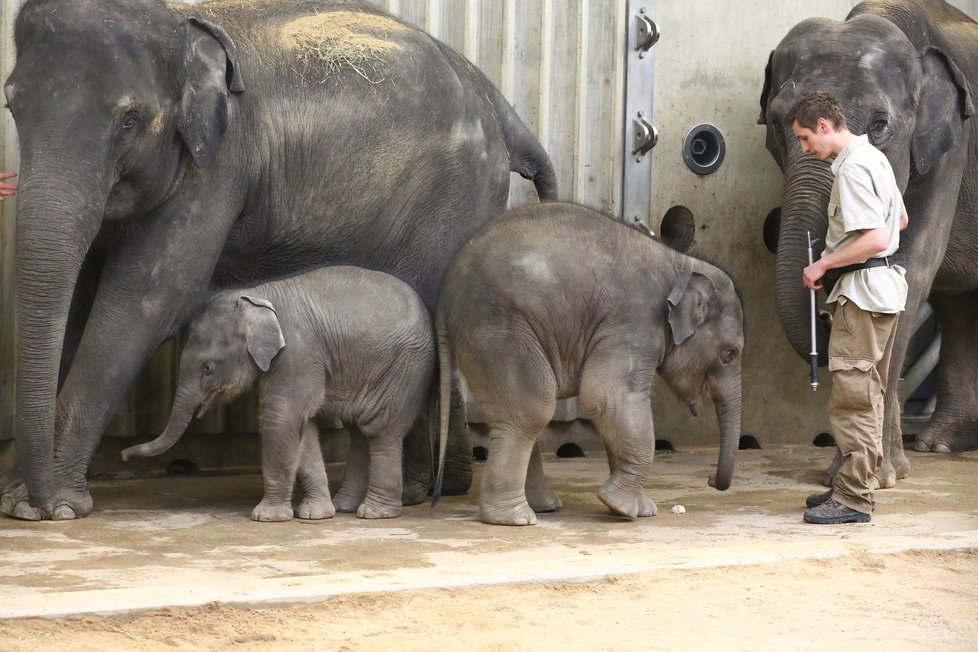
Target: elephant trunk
pixel 59 214
pixel 727 399
pixel 184 405
pixel 808 182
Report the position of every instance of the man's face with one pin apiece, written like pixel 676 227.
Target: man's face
pixel 818 142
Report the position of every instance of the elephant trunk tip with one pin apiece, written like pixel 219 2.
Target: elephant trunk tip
pixel 137 451
pixel 723 485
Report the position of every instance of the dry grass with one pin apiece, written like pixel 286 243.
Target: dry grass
pixel 326 42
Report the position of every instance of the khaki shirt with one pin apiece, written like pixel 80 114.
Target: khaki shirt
pixel 865 195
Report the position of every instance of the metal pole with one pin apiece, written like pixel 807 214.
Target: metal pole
pixel 813 356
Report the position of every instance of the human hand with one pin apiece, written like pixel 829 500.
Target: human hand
pixel 7 189
pixel 813 273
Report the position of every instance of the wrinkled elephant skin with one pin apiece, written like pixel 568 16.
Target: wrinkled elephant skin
pixel 554 300
pixel 353 343
pixel 166 150
pixel 904 73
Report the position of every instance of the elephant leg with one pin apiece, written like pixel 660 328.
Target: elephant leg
pixel 385 479
pixel 954 425
pixel 833 469
pixel 624 420
pixel 518 395
pixel 282 434
pixel 539 495
pixel 419 459
pixel 132 314
pixel 316 502
pixel 502 498
pixel 353 489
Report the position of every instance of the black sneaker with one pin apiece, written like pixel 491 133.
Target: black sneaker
pixel 832 512
pixel 815 500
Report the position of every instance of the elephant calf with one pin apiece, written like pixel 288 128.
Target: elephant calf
pixel 342 340
pixel 552 301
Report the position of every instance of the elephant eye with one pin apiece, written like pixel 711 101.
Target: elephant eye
pixel 131 119
pixel 208 368
pixel 879 127
pixel 728 356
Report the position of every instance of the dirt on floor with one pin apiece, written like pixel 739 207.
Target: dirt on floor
pixel 906 601
pixel 175 563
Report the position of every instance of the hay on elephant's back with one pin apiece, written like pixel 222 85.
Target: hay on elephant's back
pixel 327 42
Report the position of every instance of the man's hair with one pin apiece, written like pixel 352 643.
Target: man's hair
pixel 813 105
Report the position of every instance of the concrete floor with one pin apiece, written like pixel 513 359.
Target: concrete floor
pixel 184 541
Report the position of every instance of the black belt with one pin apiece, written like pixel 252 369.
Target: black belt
pixel 887 261
pixel 833 275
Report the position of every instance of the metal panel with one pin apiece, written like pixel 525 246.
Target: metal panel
pixel 559 64
pixel 641 134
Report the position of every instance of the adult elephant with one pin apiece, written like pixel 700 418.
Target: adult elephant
pixel 169 148
pixel 905 73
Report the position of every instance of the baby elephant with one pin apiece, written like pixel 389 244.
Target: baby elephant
pixel 552 301
pixel 346 341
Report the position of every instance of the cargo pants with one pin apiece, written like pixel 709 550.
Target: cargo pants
pixel 859 359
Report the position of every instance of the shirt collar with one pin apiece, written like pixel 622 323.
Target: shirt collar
pixel 850 147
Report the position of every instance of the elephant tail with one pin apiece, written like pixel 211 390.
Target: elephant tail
pixel 526 155
pixel 444 399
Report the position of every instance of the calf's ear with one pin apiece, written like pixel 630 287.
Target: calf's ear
pixel 689 305
pixel 263 333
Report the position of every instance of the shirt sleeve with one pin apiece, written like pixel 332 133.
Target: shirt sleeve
pixel 861 207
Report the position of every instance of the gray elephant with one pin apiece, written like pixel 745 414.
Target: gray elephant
pixel 555 300
pixel 166 149
pixel 353 343
pixel 904 71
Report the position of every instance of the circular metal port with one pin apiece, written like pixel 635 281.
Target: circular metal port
pixel 704 149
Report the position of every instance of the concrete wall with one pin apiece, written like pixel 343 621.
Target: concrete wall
pixel 560 63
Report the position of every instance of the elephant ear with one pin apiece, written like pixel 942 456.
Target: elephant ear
pixel 943 103
pixel 766 90
pixel 263 333
pixel 210 70
pixel 689 305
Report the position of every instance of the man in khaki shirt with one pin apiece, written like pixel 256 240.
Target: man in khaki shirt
pixel 865 217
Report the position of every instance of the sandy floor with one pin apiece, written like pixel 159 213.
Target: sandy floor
pixel 913 600
pixel 739 570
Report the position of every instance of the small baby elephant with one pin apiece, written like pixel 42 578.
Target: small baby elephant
pixel 346 341
pixel 551 301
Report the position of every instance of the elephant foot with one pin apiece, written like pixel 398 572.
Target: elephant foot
pixel 832 470
pixel 632 504
pixel 456 481
pixel 544 501
pixel 66 506
pixel 507 513
pixel 268 511
pixel 924 446
pixel 901 465
pixel 947 438
pixel 372 508
pixel 314 508
pixel 885 477
pixel 414 492
pixel 348 501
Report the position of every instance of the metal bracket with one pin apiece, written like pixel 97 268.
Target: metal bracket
pixel 640 134
pixel 644 135
pixel 647 33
